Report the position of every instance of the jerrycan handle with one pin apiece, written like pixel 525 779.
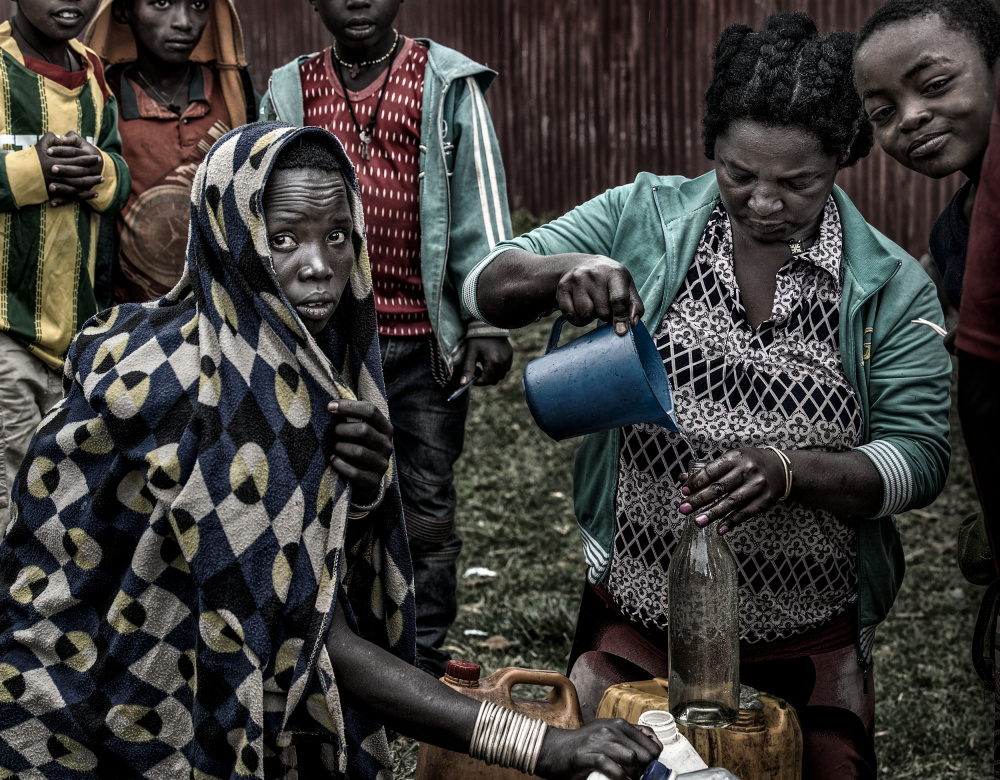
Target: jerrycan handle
pixel 563 693
pixel 557 325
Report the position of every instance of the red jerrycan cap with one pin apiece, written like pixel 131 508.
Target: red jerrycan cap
pixel 463 670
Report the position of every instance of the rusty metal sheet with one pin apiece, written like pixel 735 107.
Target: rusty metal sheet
pixel 591 92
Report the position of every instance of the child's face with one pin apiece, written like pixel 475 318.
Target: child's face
pixel 929 94
pixel 308 218
pixel 358 24
pixel 57 20
pixel 168 30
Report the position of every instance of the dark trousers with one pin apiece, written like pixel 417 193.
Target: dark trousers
pixel 428 435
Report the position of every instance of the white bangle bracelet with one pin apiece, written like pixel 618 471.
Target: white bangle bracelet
pixel 506 738
pixel 786 464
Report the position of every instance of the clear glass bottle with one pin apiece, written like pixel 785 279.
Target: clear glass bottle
pixel 704 631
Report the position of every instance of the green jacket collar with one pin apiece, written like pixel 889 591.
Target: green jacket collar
pixel 685 205
pixel 285 87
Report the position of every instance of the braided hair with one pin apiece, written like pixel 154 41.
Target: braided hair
pixel 788 74
pixel 978 19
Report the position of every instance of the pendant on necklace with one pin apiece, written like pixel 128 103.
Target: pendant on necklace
pixel 366 140
pixel 796 246
pixel 354 70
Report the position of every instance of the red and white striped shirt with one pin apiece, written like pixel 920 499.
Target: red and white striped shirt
pixel 389 181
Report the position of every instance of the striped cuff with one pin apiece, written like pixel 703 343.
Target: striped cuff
pixel 469 290
pixel 595 556
pixel 477 329
pixel 897 480
pixel 866 641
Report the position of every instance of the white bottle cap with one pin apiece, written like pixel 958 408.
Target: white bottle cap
pixel 662 723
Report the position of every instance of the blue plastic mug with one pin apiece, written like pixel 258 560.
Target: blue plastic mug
pixel 598 382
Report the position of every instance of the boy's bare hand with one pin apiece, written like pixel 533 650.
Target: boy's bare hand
pixel 363 446
pixel 71 167
pixel 494 354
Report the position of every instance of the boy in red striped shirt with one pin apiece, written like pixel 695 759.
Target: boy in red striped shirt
pixel 412 118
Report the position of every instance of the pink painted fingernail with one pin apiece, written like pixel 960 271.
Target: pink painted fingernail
pixel 701 519
pixel 685 508
pixel 723 529
pixel 686 491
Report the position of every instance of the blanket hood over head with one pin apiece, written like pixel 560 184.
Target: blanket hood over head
pixel 179 539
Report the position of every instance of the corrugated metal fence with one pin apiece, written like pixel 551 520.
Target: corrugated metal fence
pixel 591 92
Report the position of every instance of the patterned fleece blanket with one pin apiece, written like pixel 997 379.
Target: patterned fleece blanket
pixel 179 539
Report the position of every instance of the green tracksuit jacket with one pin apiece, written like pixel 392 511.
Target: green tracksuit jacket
pixel 899 370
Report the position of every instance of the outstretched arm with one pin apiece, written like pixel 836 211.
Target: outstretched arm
pixel 414 703
pixel 518 286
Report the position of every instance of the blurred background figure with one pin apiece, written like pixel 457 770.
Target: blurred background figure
pixel 178 70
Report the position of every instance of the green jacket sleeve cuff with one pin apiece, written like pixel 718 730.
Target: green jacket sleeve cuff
pixel 897 479
pixel 469 288
pixel 477 329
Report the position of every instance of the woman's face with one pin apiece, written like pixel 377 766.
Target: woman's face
pixel 929 94
pixel 308 219
pixel 774 181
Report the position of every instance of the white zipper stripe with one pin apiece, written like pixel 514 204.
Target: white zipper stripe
pixel 495 189
pixel 480 180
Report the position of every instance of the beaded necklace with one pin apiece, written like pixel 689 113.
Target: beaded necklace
pixel 354 68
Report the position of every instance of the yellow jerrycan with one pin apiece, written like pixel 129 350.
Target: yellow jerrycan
pixel 560 708
pixel 765 742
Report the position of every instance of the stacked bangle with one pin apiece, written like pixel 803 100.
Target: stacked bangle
pixel 507 738
pixel 786 464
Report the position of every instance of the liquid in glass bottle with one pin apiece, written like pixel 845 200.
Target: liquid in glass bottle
pixel 704 638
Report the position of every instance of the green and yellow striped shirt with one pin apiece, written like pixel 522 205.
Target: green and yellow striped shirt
pixel 48 255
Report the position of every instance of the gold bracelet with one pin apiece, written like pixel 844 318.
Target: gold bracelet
pixel 786 464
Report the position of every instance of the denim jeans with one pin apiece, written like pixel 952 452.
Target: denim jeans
pixel 428 435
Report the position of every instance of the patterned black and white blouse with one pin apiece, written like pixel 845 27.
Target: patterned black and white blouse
pixel 735 386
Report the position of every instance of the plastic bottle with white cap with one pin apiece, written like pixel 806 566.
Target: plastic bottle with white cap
pixel 677 752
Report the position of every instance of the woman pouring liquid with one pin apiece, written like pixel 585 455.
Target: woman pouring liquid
pixel 784 323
